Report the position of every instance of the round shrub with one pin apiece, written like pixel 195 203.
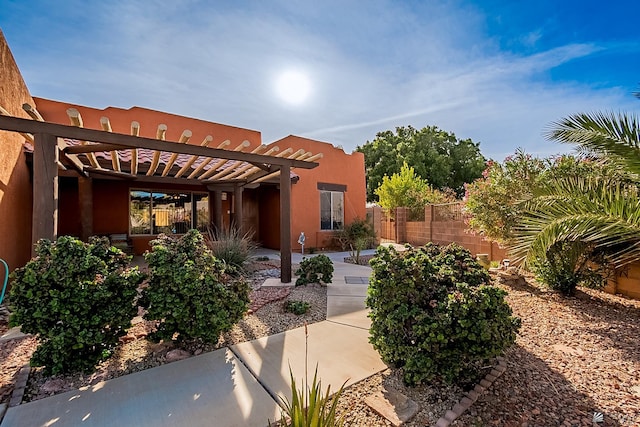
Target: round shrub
pixel 189 292
pixel 297 307
pixel 434 314
pixel 316 269
pixel 77 298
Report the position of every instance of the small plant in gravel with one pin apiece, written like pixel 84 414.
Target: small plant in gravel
pixel 297 307
pixel 435 315
pixel 77 298
pixel 189 292
pixel 316 269
pixel 355 237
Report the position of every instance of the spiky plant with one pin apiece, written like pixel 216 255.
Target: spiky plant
pixel 601 211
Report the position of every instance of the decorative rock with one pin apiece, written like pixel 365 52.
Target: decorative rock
pixel 479 388
pixel 450 416
pixel 458 409
pixel 392 405
pixel 496 372
pixel 486 384
pixel 16 397
pixel 177 354
pixel 53 385
pixel 127 339
pixel 490 377
pixel 568 350
pixel 197 352
pixel 466 403
pixel 473 395
pixel 442 422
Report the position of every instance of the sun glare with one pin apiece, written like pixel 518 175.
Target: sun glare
pixel 293 87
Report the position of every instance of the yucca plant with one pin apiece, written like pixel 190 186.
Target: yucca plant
pixel 309 406
pixel 231 245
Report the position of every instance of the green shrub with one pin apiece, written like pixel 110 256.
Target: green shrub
pixel 355 237
pixel 231 246
pixel 297 307
pixel 78 299
pixel 189 292
pixel 316 269
pixel 434 314
pixel 569 264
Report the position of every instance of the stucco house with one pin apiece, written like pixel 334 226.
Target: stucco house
pixel 138 172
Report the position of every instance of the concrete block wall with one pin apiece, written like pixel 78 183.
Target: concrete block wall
pixel 626 282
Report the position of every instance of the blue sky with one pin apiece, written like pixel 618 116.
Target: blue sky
pixel 498 72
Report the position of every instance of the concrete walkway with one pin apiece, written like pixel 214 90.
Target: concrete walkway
pixel 236 386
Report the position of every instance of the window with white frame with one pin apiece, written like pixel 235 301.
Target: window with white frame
pixel 331 210
pixel 170 212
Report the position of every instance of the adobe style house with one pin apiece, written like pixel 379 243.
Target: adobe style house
pixel 138 173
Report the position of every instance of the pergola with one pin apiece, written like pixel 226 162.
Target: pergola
pixel 85 152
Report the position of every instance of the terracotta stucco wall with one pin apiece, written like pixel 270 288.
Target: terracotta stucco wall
pixel 15 184
pixel 336 167
pixel 56 111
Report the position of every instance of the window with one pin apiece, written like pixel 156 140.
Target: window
pixel 331 210
pixel 167 212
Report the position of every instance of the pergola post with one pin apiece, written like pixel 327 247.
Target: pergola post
pixel 285 224
pixel 85 196
pixel 45 188
pixel 217 210
pixel 237 207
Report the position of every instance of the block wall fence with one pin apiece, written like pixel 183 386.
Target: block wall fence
pixel 444 226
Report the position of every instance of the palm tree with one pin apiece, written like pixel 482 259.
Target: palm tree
pixel 599 213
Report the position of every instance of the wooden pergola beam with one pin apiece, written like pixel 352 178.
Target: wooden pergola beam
pixel 184 138
pixel 115 158
pixel 207 160
pixel 192 160
pixel 76 120
pixel 285 224
pixel 223 160
pixel 17 124
pixel 160 135
pixel 45 188
pixel 135 131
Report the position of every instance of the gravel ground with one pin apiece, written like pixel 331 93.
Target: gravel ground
pixel 573 357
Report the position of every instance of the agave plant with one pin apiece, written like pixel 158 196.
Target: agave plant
pixel 601 211
pixel 310 407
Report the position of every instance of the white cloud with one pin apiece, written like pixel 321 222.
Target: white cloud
pixel 371 67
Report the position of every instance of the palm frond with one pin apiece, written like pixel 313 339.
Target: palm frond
pixel 615 135
pixel 593 211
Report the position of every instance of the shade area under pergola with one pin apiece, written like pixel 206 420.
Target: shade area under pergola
pixel 102 153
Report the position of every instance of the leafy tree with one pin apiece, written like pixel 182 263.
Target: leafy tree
pixel 493 200
pixel 407 189
pixel 497 201
pixel 437 156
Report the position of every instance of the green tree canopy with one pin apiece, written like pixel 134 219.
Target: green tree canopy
pixel 437 156
pixel 407 189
